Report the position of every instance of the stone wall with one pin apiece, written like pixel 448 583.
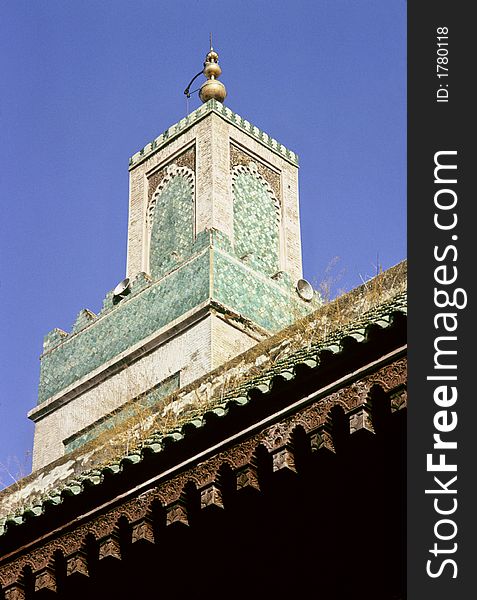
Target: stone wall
pixel 228 340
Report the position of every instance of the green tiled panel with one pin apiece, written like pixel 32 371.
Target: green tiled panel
pixel 255 224
pixel 172 234
pixel 261 300
pixel 132 320
pixel 220 240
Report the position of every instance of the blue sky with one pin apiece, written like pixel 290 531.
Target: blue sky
pixel 86 84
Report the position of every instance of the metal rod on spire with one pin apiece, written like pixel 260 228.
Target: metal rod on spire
pixel 187 91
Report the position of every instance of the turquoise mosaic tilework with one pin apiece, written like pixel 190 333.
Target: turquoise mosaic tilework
pixel 139 407
pixel 203 240
pixel 84 318
pixel 172 234
pixel 140 282
pixel 53 338
pixel 263 301
pixel 132 320
pixel 255 224
pixel 220 240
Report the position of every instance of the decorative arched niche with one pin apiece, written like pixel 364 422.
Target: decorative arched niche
pixel 256 220
pixel 170 221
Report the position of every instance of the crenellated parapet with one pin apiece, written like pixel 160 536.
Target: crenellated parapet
pixel 194 117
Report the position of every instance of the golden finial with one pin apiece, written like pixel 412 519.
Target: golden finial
pixel 212 88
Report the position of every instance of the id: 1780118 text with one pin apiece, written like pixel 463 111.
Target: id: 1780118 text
pixel 442 64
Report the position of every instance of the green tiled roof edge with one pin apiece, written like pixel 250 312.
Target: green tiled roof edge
pixel 381 315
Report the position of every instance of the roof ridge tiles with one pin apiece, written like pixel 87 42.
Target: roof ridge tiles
pixel 33 503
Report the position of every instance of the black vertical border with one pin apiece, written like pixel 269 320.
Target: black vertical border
pixel 434 127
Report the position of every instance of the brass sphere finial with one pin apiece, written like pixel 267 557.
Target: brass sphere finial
pixel 212 88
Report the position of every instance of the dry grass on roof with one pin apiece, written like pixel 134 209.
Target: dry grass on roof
pixel 227 380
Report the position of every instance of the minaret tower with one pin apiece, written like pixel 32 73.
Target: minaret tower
pixel 213 262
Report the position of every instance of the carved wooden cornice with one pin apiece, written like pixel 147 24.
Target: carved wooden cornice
pixel 353 400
